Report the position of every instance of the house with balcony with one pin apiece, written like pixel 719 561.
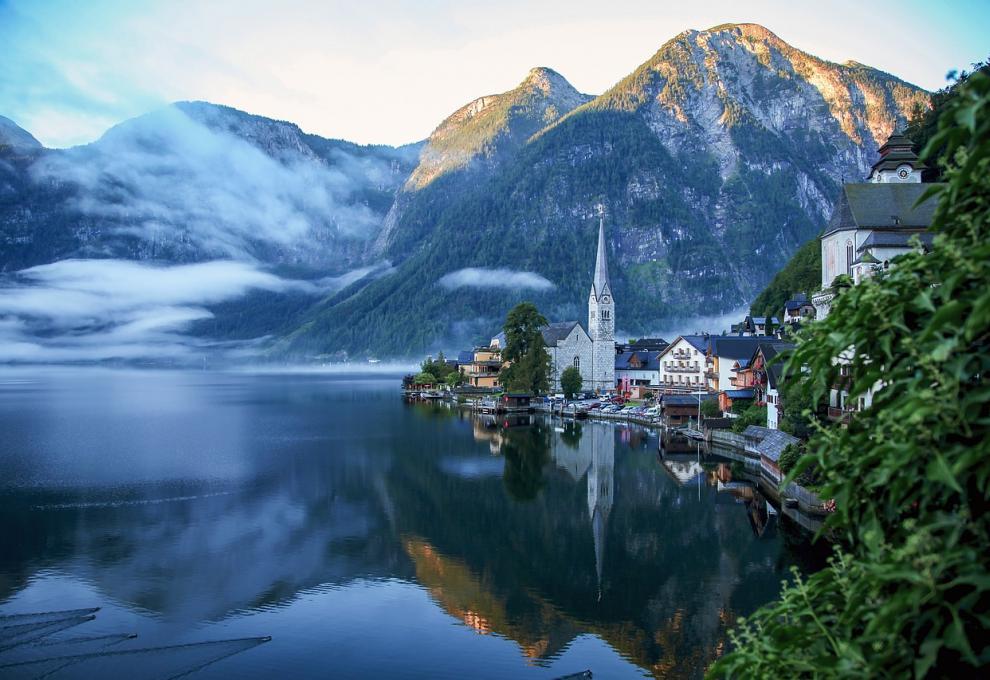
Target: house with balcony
pixel 483 368
pixel 682 365
pixel 798 309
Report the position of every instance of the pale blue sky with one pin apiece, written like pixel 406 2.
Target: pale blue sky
pixel 389 71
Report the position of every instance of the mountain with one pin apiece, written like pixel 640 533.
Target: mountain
pixel 193 182
pixel 473 142
pixel 13 138
pixel 714 160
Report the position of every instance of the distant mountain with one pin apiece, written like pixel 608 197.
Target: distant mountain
pixel 13 138
pixel 196 181
pixel 715 160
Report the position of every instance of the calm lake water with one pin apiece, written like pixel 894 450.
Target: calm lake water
pixel 365 536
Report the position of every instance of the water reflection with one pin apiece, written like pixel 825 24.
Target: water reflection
pixel 528 531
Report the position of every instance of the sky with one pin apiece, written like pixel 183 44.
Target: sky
pixel 389 71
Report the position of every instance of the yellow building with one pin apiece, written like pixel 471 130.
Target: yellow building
pixel 484 368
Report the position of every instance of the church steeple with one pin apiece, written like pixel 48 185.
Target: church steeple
pixel 600 285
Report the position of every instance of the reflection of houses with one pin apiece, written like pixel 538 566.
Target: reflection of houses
pixel 682 469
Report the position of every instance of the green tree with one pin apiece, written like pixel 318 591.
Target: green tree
pixel 710 409
pixel 453 379
pixel 908 591
pixel 570 382
pixel 529 370
pixel 754 414
pixel 424 378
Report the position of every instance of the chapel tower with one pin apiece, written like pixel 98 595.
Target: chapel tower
pixel 601 320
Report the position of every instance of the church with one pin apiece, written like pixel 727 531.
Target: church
pixel 875 221
pixel 591 350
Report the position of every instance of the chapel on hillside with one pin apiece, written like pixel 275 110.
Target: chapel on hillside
pixel 874 221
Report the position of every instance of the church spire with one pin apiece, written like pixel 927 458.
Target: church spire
pixel 601 263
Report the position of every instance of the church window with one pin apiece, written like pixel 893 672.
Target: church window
pixel 577 362
pixel 849 257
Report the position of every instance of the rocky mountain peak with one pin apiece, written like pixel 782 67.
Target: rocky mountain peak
pixel 488 125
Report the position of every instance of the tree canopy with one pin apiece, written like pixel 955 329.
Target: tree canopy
pixel 907 593
pixel 570 382
pixel 529 370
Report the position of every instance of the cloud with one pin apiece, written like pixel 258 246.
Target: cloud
pixel 480 277
pixel 203 179
pixel 95 310
pixel 691 325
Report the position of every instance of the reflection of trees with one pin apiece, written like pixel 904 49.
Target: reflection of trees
pixel 677 569
pixel 571 434
pixel 527 452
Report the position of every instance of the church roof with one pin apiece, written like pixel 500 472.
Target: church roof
pixel 601 263
pixel 556 332
pixel 882 206
pixel 894 239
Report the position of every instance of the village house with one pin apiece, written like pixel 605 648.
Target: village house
pixel 483 367
pixel 682 365
pixel 755 325
pixel 681 409
pixel 798 309
pixel 636 371
pixel 723 356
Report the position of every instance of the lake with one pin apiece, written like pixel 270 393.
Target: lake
pixel 204 512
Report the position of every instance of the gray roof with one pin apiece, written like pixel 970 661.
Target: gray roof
pixel 881 206
pixel 895 239
pixel 685 399
pixel 650 360
pixel 735 346
pixel 774 443
pixel 699 342
pixel 556 332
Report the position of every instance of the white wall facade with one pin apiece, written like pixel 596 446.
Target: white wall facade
pixel 682 366
pixel 773 406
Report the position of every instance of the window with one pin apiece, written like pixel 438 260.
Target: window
pixel 605 314
pixel 849 257
pixel 577 362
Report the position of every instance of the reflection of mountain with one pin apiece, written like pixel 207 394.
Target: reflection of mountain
pixel 576 533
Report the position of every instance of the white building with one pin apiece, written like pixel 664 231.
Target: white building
pixel 682 364
pixel 591 351
pixel 874 221
pixel 601 322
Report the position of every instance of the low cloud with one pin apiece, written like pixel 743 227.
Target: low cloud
pixel 95 310
pixel 225 185
pixel 692 325
pixel 479 277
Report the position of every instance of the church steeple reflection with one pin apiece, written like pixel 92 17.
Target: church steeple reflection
pixel 601 487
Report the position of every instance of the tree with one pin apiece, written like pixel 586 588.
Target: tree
pixel 453 379
pixel 908 590
pixel 570 381
pixel 525 349
pixel 754 414
pixel 424 378
pixel 710 409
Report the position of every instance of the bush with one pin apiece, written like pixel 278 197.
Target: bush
pixel 424 378
pixel 710 409
pixel 754 415
pixel 908 592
